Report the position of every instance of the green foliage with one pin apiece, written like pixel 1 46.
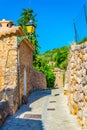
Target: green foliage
pixel 25 16
pixel 62 57
pixel 58 55
pixel 47 70
pixel 83 40
pixel 50 55
pixel 50 79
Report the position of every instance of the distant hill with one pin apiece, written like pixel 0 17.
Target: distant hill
pixel 57 56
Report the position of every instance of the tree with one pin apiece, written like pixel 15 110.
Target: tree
pixel 47 70
pixel 62 57
pixel 25 17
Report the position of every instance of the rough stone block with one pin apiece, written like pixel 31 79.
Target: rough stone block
pixel 4 111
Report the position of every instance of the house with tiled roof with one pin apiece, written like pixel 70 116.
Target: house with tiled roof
pixel 17 77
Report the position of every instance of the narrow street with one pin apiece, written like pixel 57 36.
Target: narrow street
pixel 46 110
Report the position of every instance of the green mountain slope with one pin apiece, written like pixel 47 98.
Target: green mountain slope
pixel 57 55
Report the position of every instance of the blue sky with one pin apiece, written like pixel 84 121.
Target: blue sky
pixel 55 19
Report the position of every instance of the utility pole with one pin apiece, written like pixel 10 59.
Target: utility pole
pixel 76 35
pixel 85 13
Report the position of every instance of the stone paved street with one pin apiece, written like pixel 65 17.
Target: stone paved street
pixel 46 110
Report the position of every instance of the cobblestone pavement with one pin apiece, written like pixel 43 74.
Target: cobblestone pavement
pixel 46 110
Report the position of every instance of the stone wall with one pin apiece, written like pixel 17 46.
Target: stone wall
pixel 8 61
pixel 12 98
pixel 38 80
pixel 8 70
pixel 4 111
pixel 26 64
pixel 76 83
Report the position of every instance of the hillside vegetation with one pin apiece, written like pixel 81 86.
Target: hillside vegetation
pixel 57 55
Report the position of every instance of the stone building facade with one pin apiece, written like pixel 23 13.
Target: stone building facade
pixel 16 65
pixel 60 75
pixel 76 83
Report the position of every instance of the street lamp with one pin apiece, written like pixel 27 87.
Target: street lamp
pixel 30 27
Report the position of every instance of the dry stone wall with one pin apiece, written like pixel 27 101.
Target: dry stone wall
pixel 4 111
pixel 8 71
pixel 38 80
pixel 76 83
pixel 8 62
